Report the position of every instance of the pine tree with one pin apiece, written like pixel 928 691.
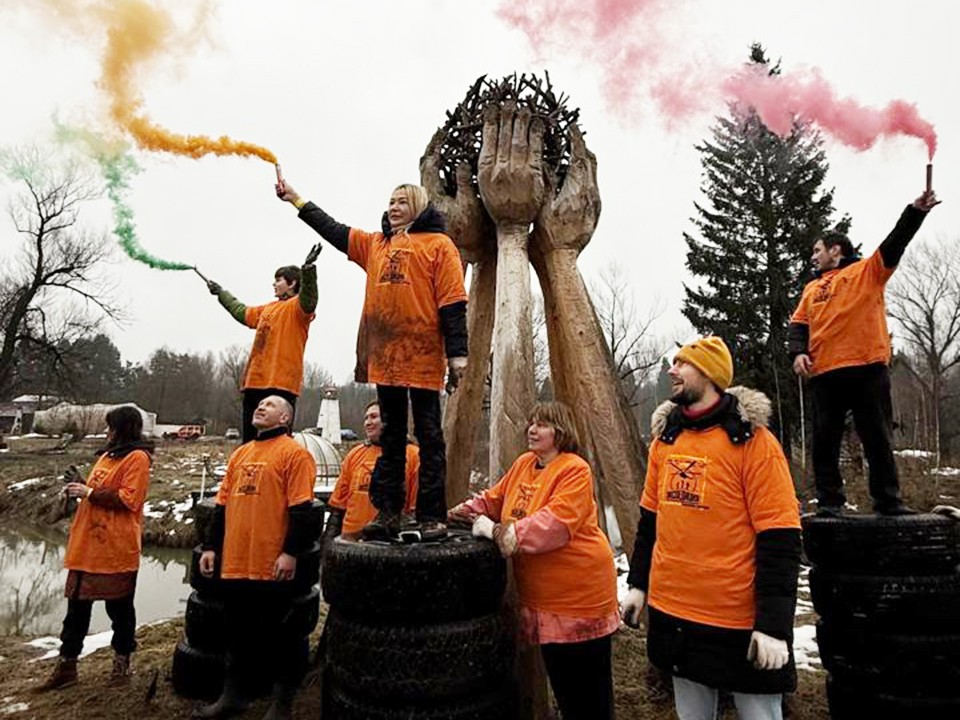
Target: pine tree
pixel 765 207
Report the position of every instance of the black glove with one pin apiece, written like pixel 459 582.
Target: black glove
pixel 213 287
pixel 313 254
pixel 72 475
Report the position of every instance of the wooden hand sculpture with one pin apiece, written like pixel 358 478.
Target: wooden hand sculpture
pixel 580 364
pixel 510 176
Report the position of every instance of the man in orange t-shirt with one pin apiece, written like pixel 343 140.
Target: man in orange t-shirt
pixel 275 365
pixel 839 340
pixel 413 327
pixel 261 523
pixel 349 505
pixel 717 553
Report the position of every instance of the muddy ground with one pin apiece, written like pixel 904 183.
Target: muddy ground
pixel 640 693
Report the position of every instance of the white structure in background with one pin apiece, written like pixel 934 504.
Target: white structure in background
pixel 327 458
pixel 85 419
pixel 328 421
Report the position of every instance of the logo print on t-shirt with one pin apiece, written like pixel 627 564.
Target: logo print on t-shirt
pixel 249 481
pixel 822 291
pixel 685 481
pixel 525 494
pixel 97 477
pixel 395 268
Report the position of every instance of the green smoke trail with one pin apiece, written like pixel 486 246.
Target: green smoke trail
pixel 118 166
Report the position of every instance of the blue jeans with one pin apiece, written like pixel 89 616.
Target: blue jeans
pixel 699 702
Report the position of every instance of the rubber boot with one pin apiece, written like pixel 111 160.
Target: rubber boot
pixel 231 701
pixel 282 706
pixel 63 675
pixel 120 674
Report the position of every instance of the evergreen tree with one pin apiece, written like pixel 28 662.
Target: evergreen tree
pixel 765 207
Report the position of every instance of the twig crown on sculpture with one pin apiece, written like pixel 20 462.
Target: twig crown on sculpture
pixel 463 128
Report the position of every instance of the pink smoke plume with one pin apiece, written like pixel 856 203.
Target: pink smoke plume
pixel 629 42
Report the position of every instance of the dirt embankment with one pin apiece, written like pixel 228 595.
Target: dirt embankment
pixel 31 481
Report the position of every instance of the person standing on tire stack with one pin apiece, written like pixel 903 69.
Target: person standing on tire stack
pixel 543 514
pixel 717 553
pixel 103 552
pixel 839 340
pixel 349 505
pixel 414 315
pixel 261 523
pixel 275 365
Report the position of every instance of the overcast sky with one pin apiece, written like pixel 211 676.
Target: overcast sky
pixel 348 94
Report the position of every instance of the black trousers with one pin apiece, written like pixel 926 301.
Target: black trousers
pixel 122 616
pixel 865 391
pixel 260 640
pixel 387 485
pixel 581 676
pixel 252 398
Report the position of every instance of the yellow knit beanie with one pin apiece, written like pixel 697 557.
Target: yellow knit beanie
pixel 711 357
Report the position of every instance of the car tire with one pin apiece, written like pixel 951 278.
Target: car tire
pixel 458 578
pixel 344 705
pixel 196 674
pixel 416 663
pixel 883 545
pixel 851 701
pixel 204 624
pixel 913 604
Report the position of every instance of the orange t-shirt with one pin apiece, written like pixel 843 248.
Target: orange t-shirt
pixel 846 316
pixel 712 498
pixel 264 478
pixel 276 360
pixel 352 492
pixel 107 540
pixel 577 579
pixel 409 278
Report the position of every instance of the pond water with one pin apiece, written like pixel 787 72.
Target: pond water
pixel 32 579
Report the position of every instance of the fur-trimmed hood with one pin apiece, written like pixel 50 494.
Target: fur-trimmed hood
pixel 742 410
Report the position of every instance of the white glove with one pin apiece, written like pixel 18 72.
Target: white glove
pixel 633 605
pixel 456 367
pixel 483 527
pixel 767 653
pixel 948 510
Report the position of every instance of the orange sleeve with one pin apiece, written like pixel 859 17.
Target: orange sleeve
pixel 135 481
pixel 876 270
pixel 340 496
pixel 302 474
pixel 252 316
pixel 358 246
pixel 413 477
pixel 493 497
pixel 226 485
pixel 448 285
pixel 800 315
pixel 572 496
pixel 650 499
pixel 768 486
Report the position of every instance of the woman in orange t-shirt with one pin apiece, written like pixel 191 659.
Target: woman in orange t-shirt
pixel 413 329
pixel 542 513
pixel 103 551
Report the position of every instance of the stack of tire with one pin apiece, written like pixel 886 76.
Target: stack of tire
pixel 887 590
pixel 416 631
pixel 198 661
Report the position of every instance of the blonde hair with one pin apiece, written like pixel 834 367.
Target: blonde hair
pixel 559 416
pixel 417 197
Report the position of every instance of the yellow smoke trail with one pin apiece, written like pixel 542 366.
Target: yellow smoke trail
pixel 138 32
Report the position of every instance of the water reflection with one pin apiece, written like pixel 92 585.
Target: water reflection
pixel 32 579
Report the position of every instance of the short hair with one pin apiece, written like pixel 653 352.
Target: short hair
pixel 285 406
pixel 417 197
pixel 126 422
pixel 290 273
pixel 370 405
pixel 559 416
pixel 835 238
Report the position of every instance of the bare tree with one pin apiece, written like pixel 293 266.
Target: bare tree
pixel 52 292
pixel 924 299
pixel 634 348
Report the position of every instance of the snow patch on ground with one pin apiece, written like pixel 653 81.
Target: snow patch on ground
pixel 9 707
pixel 51 644
pixel 163 508
pixel 23 483
pixel 914 453
pixel 945 471
pixel 806 654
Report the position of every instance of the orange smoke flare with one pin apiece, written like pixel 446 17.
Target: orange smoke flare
pixel 137 32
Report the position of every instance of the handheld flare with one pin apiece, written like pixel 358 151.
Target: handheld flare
pixel 202 277
pixel 929 177
pixel 279 174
